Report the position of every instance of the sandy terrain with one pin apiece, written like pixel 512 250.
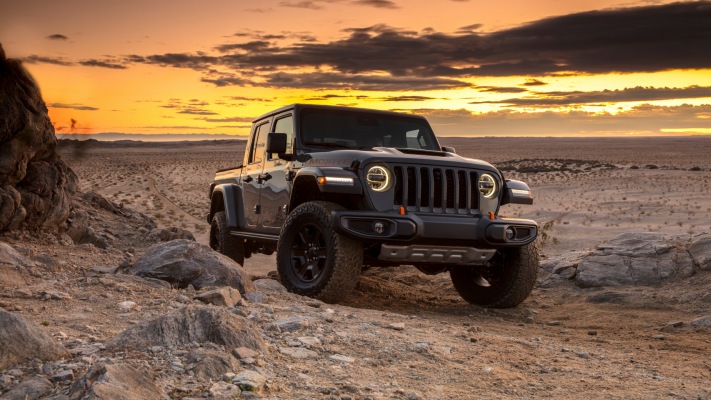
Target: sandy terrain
pixel 410 336
pixel 594 189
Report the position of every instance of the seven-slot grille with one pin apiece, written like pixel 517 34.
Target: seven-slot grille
pixel 436 189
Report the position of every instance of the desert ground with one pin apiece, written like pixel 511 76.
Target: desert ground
pixel 586 190
pixel 402 334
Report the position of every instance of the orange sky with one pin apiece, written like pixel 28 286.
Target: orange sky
pixel 509 68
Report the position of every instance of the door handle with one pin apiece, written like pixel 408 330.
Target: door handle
pixel 264 178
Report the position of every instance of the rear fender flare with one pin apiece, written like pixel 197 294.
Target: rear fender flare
pixel 228 197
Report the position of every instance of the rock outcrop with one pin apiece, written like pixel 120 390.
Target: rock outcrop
pixel 116 381
pixel 185 262
pixel 191 324
pixel 36 187
pixel 634 258
pixel 700 250
pixel 22 340
pixel 13 267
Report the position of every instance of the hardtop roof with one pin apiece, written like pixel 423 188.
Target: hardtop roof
pixel 300 106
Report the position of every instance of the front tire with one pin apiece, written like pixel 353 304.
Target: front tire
pixel 221 240
pixel 313 259
pixel 506 280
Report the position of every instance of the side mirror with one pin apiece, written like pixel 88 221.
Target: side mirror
pixel 276 143
pixel 448 149
pixel 516 192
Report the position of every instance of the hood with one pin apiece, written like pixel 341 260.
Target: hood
pixel 388 155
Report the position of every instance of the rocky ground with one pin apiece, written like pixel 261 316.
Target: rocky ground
pixel 401 335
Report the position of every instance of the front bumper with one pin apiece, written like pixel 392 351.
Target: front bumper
pixel 475 231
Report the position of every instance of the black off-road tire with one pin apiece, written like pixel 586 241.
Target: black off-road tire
pixel 506 281
pixel 221 240
pixel 313 259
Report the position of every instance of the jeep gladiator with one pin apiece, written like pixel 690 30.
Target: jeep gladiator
pixel 333 190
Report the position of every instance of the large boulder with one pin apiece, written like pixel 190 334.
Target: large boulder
pixel 185 262
pixel 700 250
pixel 191 324
pixel 634 258
pixel 22 340
pixel 116 382
pixel 36 187
pixel 13 267
pixel 212 364
pixel 37 387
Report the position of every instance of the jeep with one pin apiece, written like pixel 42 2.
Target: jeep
pixel 333 190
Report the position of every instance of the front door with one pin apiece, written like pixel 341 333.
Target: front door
pixel 274 197
pixel 251 181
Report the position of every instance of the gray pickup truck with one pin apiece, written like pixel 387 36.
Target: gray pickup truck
pixel 333 190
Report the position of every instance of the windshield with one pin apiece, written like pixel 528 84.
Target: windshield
pixel 363 130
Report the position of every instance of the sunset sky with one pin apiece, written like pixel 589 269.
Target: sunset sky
pixel 473 67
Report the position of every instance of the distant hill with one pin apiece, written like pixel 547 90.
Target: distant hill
pixel 146 137
pixel 87 143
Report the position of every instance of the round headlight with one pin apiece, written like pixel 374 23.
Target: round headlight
pixel 487 186
pixel 379 178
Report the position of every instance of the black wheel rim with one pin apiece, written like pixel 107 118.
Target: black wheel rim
pixel 492 273
pixel 308 253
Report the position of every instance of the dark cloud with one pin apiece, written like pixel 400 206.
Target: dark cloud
pixel 547 99
pixel 113 64
pixel 102 64
pixel 199 61
pixel 228 119
pixel 311 5
pixel 377 3
pixel 227 81
pixel 189 107
pixel 381 57
pixel 327 97
pixel 243 98
pixel 256 45
pixel 284 35
pixel 500 89
pixel 72 106
pixel 320 80
pixel 35 59
pixel 319 4
pixel 640 39
pixel 408 98
pixel 197 112
pixel 470 28
pixel 57 36
pixel 534 82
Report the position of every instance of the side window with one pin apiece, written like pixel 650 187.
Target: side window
pixel 256 154
pixel 286 125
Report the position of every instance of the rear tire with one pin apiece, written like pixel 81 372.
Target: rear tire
pixel 313 259
pixel 221 240
pixel 506 280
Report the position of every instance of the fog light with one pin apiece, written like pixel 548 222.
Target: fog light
pixel 378 228
pixel 510 234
